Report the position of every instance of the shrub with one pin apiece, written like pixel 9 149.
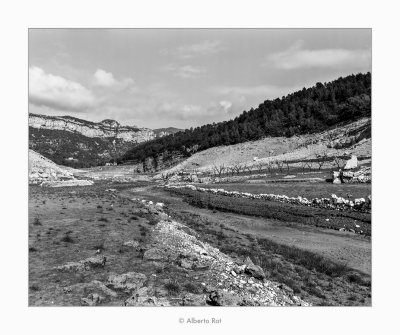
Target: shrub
pixel 191 288
pixel 36 221
pixel 173 287
pixel 99 246
pixel 67 239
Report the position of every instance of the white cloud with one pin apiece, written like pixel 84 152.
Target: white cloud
pixel 296 57
pixel 57 92
pixel 226 105
pixel 104 78
pixel 185 71
pixel 206 47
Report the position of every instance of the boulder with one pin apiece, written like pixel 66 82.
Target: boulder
pixel 93 287
pixel 348 174
pixel 130 281
pixel 253 270
pixel 92 299
pixel 239 269
pixel 219 298
pixel 155 254
pixel 186 264
pixel 146 301
pixel 85 264
pixel 336 178
pixel 131 244
pixel 351 163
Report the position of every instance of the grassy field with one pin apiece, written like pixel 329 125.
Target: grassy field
pixel 304 189
pixel 295 214
pixel 75 223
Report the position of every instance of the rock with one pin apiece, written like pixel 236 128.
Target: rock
pixel 92 299
pixel 289 177
pixel 130 281
pixel 64 183
pixel 86 264
pixel 92 287
pixel 131 244
pixel 337 181
pixel 142 291
pixel 240 268
pixel 351 163
pixel 190 299
pixel 155 254
pixel 214 298
pixel 253 270
pixel 220 298
pixel 186 264
pixel 146 301
pixel 348 174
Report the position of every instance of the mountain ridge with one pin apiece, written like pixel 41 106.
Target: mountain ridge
pixel 78 143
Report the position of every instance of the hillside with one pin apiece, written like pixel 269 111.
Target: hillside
pixel 353 138
pixel 308 111
pixel 79 143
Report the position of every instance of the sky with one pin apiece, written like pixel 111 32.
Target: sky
pixel 182 78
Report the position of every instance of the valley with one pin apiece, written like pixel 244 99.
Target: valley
pixel 255 211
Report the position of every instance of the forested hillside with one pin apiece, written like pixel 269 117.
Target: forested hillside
pixel 307 111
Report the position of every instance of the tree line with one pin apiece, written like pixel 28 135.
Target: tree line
pixel 309 110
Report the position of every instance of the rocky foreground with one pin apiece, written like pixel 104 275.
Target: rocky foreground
pixel 217 280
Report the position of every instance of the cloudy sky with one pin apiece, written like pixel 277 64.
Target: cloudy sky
pixel 182 77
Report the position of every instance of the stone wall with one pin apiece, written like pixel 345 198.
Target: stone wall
pixel 334 202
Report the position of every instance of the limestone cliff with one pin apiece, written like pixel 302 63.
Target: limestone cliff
pixel 103 129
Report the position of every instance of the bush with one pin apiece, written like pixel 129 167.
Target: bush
pixel 67 239
pixel 173 287
pixel 36 221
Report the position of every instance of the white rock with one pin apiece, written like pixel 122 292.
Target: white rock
pixel 351 163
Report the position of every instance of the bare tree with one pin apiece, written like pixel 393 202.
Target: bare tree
pixel 309 165
pixel 279 165
pixel 237 168
pixel 338 162
pixel 270 166
pixel 322 159
pixel 304 165
pixel 166 176
pixel 249 168
pixel 259 166
pixel 219 170
pixel 287 163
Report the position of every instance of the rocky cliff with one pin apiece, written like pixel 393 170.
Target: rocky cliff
pixel 79 143
pixel 103 129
